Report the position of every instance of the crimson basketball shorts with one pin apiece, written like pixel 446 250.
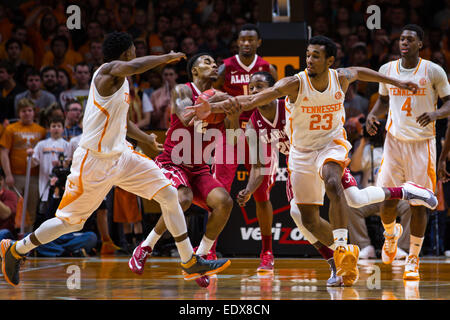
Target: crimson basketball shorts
pixel 198 178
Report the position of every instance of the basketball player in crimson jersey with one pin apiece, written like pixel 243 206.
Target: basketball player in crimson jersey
pixel 234 78
pixel 192 177
pixel 409 152
pixel 319 149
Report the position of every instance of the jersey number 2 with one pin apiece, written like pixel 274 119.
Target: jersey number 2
pixel 407 107
pixel 316 120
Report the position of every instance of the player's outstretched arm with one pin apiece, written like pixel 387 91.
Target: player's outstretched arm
pixel 140 65
pixel 350 74
pixel 285 87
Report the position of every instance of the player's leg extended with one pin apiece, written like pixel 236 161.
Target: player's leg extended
pixel 264 213
pixel 324 251
pixel 345 256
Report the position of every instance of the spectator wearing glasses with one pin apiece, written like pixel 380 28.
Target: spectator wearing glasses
pixel 73 112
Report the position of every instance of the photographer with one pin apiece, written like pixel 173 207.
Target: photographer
pixel 366 159
pixel 46 155
pixel 51 154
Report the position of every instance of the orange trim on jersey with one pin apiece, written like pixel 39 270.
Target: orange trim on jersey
pixel 142 155
pixel 301 84
pixel 160 190
pixel 398 67
pixel 390 123
pixel 339 142
pixel 292 129
pixel 430 170
pixel 287 107
pixel 72 195
pixel 418 65
pixel 307 79
pixel 337 79
pixel 381 164
pixel 106 113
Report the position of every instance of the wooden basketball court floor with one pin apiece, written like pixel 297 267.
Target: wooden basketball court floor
pixel 98 278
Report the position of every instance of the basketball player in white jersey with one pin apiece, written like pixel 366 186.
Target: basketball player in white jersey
pixel 319 149
pixel 104 159
pixel 410 148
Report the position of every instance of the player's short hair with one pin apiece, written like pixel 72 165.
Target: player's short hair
pixel 115 44
pixel 192 61
pixel 267 76
pixel 330 46
pixel 414 27
pixel 250 27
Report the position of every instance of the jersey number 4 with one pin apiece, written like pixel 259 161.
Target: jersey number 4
pixel 318 122
pixel 407 107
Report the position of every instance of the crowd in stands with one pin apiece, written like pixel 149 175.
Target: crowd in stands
pixel 46 71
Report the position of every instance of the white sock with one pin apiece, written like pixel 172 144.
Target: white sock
pixel 340 237
pixel 358 198
pixel 48 231
pixel 151 239
pixel 185 250
pixel 205 246
pixel 415 245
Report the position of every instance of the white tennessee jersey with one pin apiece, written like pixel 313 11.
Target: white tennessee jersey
pixel 404 106
pixel 105 120
pixel 316 118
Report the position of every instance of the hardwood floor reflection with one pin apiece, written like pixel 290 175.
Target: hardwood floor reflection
pixel 293 279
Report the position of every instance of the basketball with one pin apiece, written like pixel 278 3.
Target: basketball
pixel 213 118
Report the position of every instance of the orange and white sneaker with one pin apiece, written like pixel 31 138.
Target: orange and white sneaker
pixel 346 261
pixel 411 268
pixel 389 250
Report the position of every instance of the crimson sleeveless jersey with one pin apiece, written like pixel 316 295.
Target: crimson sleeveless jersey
pixel 270 133
pixel 237 78
pixel 179 133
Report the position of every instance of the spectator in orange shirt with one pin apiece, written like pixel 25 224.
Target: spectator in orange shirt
pixel 61 56
pixel 14 142
pixel 26 54
pixel 155 39
pixel 94 33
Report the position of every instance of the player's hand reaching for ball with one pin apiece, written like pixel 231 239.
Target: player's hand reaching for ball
pixel 175 56
pixel 409 85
